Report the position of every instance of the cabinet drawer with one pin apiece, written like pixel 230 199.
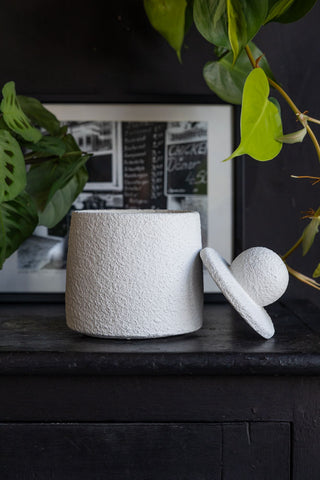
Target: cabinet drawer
pixel 152 451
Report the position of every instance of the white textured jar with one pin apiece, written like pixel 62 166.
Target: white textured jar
pixel 134 273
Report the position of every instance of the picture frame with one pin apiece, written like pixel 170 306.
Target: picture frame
pixel 185 145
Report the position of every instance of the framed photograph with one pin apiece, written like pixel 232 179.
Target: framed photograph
pixel 144 156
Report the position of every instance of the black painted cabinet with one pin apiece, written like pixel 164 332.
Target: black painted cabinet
pixel 218 404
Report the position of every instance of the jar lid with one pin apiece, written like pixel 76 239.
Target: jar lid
pixel 255 315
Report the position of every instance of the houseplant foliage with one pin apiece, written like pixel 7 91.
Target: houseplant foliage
pixel 240 74
pixel 42 169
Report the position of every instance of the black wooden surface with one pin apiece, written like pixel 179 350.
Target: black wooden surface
pixel 221 403
pixel 34 339
pixel 189 451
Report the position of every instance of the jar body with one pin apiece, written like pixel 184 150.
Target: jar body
pixel 134 273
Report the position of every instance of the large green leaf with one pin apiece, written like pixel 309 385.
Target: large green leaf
pixel 260 120
pixel 245 18
pixel 12 167
pixel 227 80
pixel 211 20
pixel 277 9
pixel 18 219
pixel 297 10
pixel 168 18
pixel 310 232
pixel 14 116
pixel 45 179
pixel 49 145
pixel 62 200
pixel 39 115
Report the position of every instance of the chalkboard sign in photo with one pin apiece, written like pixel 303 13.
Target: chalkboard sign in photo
pixel 143 156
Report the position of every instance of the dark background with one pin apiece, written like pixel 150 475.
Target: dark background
pixel 71 51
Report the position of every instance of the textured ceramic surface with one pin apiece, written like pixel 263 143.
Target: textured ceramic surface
pixel 134 274
pixel 255 278
pixel 262 274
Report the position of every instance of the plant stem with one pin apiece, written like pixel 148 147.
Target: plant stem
pixel 293 248
pixel 303 278
pixel 310 119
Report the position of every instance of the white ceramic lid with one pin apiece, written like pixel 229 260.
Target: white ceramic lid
pixel 255 315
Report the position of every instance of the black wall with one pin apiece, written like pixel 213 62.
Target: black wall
pixel 107 52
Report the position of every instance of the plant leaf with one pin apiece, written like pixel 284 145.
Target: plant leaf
pixel 294 137
pixel 227 80
pixel 14 116
pixel 260 120
pixel 316 273
pixel 18 219
pixel 45 179
pixel 168 18
pixel 277 9
pixel 297 10
pixel 12 167
pixel 310 232
pixel 62 200
pixel 237 27
pixel 39 115
pixel 211 19
pixel 49 145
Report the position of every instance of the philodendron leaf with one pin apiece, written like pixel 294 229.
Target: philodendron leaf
pixel 62 200
pixel 294 137
pixel 297 10
pixel 39 115
pixel 237 27
pixel 18 219
pixel 310 232
pixel 277 9
pixel 246 16
pixel 168 18
pixel 260 120
pixel 211 20
pixel 12 167
pixel 14 116
pixel 227 80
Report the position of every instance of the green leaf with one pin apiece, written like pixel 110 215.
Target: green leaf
pixel 45 179
pixel 310 232
pixel 211 19
pixel 297 10
pixel 70 143
pixel 188 16
pixel 260 120
pixel 237 27
pixel 18 219
pixel 294 137
pixel 49 145
pixel 278 9
pixel 227 80
pixel 14 116
pixel 12 167
pixel 39 115
pixel 62 200
pixel 316 273
pixel 168 18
